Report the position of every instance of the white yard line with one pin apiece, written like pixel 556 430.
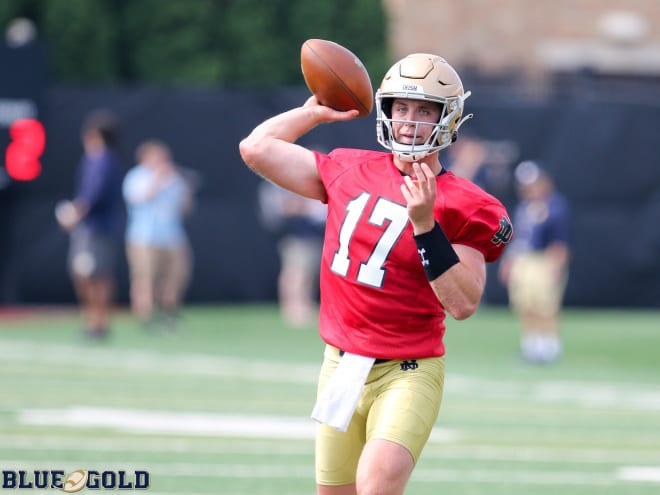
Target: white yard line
pixel 43 442
pixel 171 422
pixel 128 361
pixel 260 447
pixel 640 473
pixel 251 426
pixel 588 395
pixel 619 396
pixel 516 453
pixel 277 427
pixel 184 423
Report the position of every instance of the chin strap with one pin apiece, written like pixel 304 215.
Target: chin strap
pixel 466 117
pixel 460 122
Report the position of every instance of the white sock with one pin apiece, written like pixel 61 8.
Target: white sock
pixel 531 345
pixel 551 348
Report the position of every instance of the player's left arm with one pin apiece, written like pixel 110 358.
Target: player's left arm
pixel 456 272
pixel 460 288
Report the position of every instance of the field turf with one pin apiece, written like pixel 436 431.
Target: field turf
pixel 222 406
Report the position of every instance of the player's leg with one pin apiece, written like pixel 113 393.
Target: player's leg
pixel 406 404
pixel 337 453
pixel 291 282
pixel 337 456
pixel 544 291
pixel 336 490
pixel 80 267
pixel 384 468
pixel 101 290
pixel 81 286
pixel 549 311
pixel 175 271
pixel 92 263
pixel 103 282
pixel 401 403
pixel 524 288
pixel 141 264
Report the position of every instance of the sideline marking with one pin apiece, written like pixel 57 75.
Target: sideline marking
pixel 128 361
pixel 639 473
pixel 626 396
pixel 172 423
pixel 188 423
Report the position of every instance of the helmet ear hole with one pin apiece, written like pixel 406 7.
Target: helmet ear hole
pixel 386 133
pixel 387 107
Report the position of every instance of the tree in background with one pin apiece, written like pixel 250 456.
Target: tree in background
pixel 197 42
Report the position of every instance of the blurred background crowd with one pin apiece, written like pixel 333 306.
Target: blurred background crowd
pixel 574 85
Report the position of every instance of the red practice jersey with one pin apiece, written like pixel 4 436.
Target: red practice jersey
pixel 375 298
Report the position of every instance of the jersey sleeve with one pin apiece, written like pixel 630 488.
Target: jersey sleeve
pixel 487 230
pixel 338 161
pixel 329 166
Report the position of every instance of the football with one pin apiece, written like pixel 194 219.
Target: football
pixel 336 76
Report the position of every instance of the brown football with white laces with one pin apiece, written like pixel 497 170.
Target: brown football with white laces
pixel 336 76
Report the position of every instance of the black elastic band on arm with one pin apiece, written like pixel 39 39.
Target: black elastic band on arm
pixel 436 252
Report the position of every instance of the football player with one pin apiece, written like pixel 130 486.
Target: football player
pixel 406 242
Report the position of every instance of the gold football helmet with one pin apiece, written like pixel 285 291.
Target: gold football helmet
pixel 421 76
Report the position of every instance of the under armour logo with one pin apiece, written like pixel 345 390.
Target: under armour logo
pixel 421 255
pixel 409 365
pixel 504 233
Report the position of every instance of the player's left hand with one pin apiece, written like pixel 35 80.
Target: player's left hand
pixel 67 215
pixel 420 192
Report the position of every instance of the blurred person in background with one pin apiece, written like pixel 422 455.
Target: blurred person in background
pixel 466 157
pixel 93 219
pixel 487 163
pixel 298 224
pixel 158 198
pixel 535 266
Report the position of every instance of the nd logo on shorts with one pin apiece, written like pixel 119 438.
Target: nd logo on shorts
pixel 409 364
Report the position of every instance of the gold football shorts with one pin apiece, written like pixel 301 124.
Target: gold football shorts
pixel 534 288
pixel 400 403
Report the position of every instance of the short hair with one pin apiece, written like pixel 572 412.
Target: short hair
pixel 105 123
pixel 530 171
pixel 148 145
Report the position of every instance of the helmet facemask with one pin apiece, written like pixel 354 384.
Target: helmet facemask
pixel 421 77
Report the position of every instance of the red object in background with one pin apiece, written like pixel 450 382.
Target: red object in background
pixel 28 141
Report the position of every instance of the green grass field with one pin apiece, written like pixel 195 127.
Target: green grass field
pixel 222 406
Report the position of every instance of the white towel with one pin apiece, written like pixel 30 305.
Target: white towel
pixel 338 400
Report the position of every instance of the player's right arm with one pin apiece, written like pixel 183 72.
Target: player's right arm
pixel 271 152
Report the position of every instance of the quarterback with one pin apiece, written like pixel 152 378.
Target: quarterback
pixel 406 242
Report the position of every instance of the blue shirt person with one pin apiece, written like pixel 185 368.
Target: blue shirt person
pixel 535 266
pixel 93 219
pixel 158 198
